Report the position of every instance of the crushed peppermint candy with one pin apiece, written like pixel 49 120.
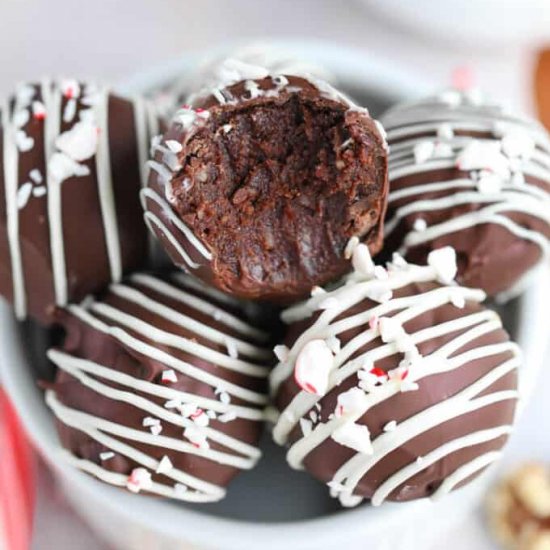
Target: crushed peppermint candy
pixel 227 417
pixel 23 141
pixel 483 155
pixel 62 167
pixel 390 329
pixel 196 437
pixel 106 455
pixel 35 175
pixel 80 142
pixel 38 110
pixel 420 225
pixel 379 291
pixel 23 194
pixel 351 402
pixel 180 488
pixel 174 146
pixel 354 436
pixel 443 261
pixel 169 376
pixel 518 143
pixel 423 151
pixel 313 366
pixel 139 480
pixel 165 465
pixel 317 291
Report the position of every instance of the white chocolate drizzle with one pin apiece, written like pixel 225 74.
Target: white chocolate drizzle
pixel 191 412
pixel 67 155
pixel 508 165
pixel 386 320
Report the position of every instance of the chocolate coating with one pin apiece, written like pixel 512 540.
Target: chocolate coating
pixel 274 176
pixel 134 334
pixel 70 218
pixel 409 424
pixel 484 189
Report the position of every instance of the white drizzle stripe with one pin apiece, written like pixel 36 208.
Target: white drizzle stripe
pixel 212 334
pixel 83 421
pixel 77 368
pixel 163 357
pixel 464 330
pixel 51 97
pixel 177 342
pixel 210 490
pixel 176 221
pixel 152 220
pixel 11 183
pixel 407 472
pixel 120 480
pixel 105 189
pixel 303 446
pixel 460 404
pixel 465 471
pixel 416 124
pixel 199 304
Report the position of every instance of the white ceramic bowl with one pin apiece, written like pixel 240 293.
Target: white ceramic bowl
pixel 271 507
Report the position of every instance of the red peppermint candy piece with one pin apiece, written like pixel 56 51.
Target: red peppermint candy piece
pixel 313 366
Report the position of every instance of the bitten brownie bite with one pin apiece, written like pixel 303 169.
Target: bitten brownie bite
pixel 71 160
pixel 466 173
pixel 259 184
pixel 397 385
pixel 161 388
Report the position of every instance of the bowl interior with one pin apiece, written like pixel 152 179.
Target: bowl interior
pixel 272 493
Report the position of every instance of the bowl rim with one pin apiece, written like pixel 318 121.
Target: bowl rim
pixel 161 516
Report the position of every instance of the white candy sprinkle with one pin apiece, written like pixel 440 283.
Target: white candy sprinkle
pixel 313 366
pixel 20 118
pixel 351 402
pixel 62 167
pixel 306 426
pixel 227 128
pixel 419 459
pixel 225 398
pixel 174 146
pixel 196 437
pixel 281 352
pixel 443 261
pixel 390 329
pixel 227 417
pixel 420 225
pixel 139 479
pixel 24 194
pixel 80 142
pixel 70 88
pixel 107 455
pixel 201 419
pixel 35 175
pixel 354 436
pixel 165 465
pixel 169 376
pixel 362 261
pixel 390 426
pixel 172 404
pixel 457 299
pixel 423 151
pixel 150 421
pixel 350 247
pixel 23 141
pixel 483 155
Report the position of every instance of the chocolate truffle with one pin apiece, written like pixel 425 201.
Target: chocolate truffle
pixel 161 387
pixel 257 187
pixel 466 173
pixel 396 386
pixel 71 160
